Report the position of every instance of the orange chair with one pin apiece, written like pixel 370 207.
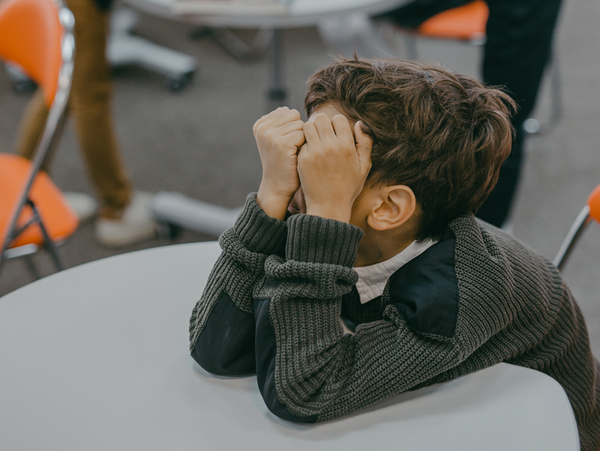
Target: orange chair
pixel 468 23
pixel 36 35
pixel 590 212
pixel 465 23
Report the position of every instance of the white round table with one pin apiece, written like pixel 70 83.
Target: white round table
pixel 301 13
pixel 96 358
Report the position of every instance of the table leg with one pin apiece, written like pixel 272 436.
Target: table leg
pixel 276 94
pixel 239 49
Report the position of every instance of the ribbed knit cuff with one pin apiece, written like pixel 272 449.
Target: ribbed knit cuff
pixel 319 240
pixel 258 231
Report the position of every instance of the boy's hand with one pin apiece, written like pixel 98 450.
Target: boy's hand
pixel 278 136
pixel 333 168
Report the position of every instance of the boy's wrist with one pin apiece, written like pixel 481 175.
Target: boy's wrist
pixel 319 240
pixel 259 232
pixel 272 203
pixel 338 212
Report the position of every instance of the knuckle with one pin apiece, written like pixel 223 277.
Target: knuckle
pixel 260 130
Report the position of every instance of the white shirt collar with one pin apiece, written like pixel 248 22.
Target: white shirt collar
pixel 373 278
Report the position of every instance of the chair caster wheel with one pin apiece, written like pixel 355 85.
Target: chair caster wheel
pixel 167 230
pixel 24 87
pixel 178 83
pixel 19 82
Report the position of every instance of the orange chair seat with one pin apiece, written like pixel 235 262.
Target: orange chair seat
pixel 58 218
pixel 594 204
pixel 466 22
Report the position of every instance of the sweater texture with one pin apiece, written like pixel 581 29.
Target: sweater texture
pixel 478 297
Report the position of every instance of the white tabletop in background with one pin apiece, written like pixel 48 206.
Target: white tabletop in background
pixel 96 358
pixel 301 13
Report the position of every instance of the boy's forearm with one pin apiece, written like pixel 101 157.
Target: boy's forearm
pixel 273 203
pixel 226 303
pixel 299 337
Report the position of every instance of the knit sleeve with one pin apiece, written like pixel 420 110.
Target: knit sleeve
pixel 222 322
pixel 308 369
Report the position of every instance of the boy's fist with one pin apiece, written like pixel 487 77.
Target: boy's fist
pixel 278 136
pixel 332 166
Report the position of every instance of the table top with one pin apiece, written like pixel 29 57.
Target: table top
pixel 96 358
pixel 301 13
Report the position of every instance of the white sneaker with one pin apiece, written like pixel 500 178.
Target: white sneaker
pixel 84 205
pixel 134 226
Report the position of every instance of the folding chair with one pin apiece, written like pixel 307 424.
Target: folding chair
pixel 590 212
pixel 37 36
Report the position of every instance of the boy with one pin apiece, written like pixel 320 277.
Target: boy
pixel 394 160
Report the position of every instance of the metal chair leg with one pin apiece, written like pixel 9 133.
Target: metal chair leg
pixel 572 237
pixel 48 243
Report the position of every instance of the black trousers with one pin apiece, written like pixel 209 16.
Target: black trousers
pixel 516 52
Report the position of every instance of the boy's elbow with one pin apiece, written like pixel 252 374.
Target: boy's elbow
pixel 226 344
pixel 218 361
pixel 266 351
pixel 266 384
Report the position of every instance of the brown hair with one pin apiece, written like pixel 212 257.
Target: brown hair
pixel 444 135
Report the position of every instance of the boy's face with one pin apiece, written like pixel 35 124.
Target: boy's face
pixel 362 203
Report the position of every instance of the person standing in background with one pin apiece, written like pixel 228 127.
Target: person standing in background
pixel 124 216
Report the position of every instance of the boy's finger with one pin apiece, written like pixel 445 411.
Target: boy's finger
pixel 267 117
pixel 290 127
pixel 324 127
pixel 295 138
pixel 283 116
pixel 277 117
pixel 310 133
pixel 364 143
pixel 343 130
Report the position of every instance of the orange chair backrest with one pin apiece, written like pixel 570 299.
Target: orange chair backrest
pixel 30 36
pixel 594 204
pixel 59 218
pixel 465 22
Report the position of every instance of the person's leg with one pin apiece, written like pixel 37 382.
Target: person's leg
pixel 90 103
pixel 91 108
pixel 31 127
pixel 517 50
pixel 496 209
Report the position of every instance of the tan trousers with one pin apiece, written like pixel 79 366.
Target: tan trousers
pixel 90 104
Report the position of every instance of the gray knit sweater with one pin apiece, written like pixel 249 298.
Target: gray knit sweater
pixel 478 297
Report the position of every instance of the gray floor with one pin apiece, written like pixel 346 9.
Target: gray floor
pixel 199 141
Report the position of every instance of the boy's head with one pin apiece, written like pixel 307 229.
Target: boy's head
pixel 443 135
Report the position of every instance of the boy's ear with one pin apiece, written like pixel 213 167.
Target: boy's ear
pixel 395 206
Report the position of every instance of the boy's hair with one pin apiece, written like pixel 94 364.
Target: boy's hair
pixel 443 135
